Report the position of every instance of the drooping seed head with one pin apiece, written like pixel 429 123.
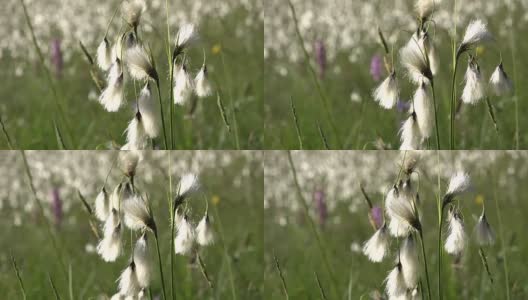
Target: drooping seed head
pixel 184 240
pixel 205 235
pixel 483 231
pixel 128 281
pixel 387 93
pixel 474 88
pixel 500 83
pixel 143 261
pixel 378 245
pixel 456 239
pixel 102 205
pixel 149 112
pixel 476 34
pixel 202 83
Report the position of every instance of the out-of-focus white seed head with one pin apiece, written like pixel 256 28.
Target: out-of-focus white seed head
pixel 104 55
pixel 456 239
pixel 205 235
pixel 132 11
pixel 184 241
pixel 128 161
pixel 189 184
pixel 410 135
pixel 387 93
pixel 483 231
pixel 136 137
pixel 128 281
pixel 148 109
pixel 459 183
pixel 395 283
pixel 474 89
pixel 183 85
pixel 109 248
pixel 424 8
pixel 500 83
pixel 202 84
pixel 102 205
pixel 126 41
pixel 143 261
pixel 378 245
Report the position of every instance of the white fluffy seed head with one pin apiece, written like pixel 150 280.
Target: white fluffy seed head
pixel 459 183
pixel 476 33
pixel 112 96
pixel 132 11
pixel 483 231
pixel 398 227
pixel 387 93
pixel 183 85
pixel 456 239
pixel 148 109
pixel 409 262
pixel 424 8
pixel 129 160
pixel 402 209
pixel 395 283
pixel 109 248
pixel 188 185
pixel 128 281
pixel 423 107
pixel 205 235
pixel 434 63
pixel 143 261
pixel 136 137
pixel 102 205
pixel 186 36
pixel 410 135
pixel 378 245
pixel 137 214
pixel 413 57
pixel 184 241
pixel 126 41
pixel 104 55
pixel 202 83
pixel 139 64
pixel 500 83
pixel 474 89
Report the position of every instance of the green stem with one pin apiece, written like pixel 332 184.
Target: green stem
pixel 162 115
pixel 172 256
pixel 436 117
pixel 226 253
pixel 440 223
pixel 425 264
pixel 17 272
pixel 232 105
pixel 324 100
pixel 6 134
pixel 503 244
pixel 453 105
pixel 160 267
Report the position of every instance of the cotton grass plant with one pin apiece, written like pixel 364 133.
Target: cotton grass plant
pixel 129 61
pixel 418 57
pixel 403 225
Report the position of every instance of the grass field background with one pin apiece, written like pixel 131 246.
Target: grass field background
pixel 232 184
pixel 232 45
pixel 497 180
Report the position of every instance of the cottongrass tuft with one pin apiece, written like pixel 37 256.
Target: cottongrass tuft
pixel 387 93
pixel 140 65
pixel 132 11
pixel 395 282
pixel 102 205
pixel 112 96
pixel 475 89
pixel 205 235
pixel 186 36
pixel 414 58
pixel 456 239
pixel 423 106
pixel 378 245
pixel 136 137
pixel 409 262
pixel 410 135
pixel 142 261
pixel 128 162
pixel 128 281
pixel 424 9
pixel 188 185
pixel 109 248
pixel 184 240
pixel 459 183
pixel 500 83
pixel 104 55
pixel 202 84
pixel 137 214
pixel 148 109
pixel 483 232
pixel 183 85
pixel 476 33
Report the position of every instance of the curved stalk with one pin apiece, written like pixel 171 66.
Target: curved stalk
pixel 453 105
pixel 441 221
pixel 160 267
pixel 162 116
pixel 436 117
pixel 425 264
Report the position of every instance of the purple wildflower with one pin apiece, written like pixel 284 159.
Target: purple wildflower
pixel 56 57
pixel 320 57
pixel 320 206
pixel 376 67
pixel 403 106
pixel 376 217
pixel 56 205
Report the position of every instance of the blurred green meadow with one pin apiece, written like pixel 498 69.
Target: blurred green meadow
pixel 347 83
pixel 232 184
pixel 343 224
pixel 233 50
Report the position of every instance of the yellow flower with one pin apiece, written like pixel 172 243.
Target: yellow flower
pixel 216 49
pixel 480 50
pixel 479 199
pixel 215 199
